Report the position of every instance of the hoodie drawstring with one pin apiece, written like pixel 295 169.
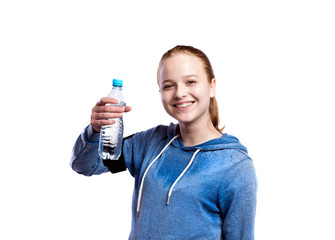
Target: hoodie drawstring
pixel 175 182
pixel 145 173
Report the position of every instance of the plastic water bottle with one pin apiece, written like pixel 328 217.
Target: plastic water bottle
pixel 110 143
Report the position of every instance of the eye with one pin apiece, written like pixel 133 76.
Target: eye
pixel 191 82
pixel 167 86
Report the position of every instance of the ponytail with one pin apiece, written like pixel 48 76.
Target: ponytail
pixel 214 114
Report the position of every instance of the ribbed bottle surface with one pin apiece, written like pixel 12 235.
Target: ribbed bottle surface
pixel 110 144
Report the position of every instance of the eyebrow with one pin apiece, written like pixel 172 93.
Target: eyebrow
pixel 184 77
pixel 167 80
pixel 191 75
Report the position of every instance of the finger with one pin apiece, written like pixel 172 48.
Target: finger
pixel 108 108
pixel 105 115
pixel 97 124
pixel 107 100
pixel 127 108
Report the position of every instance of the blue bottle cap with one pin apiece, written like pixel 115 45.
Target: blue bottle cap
pixel 117 82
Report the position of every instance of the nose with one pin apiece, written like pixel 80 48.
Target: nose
pixel 180 92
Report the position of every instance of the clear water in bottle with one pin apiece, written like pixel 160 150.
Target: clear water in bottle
pixel 110 144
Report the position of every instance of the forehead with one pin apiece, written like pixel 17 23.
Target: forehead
pixel 181 64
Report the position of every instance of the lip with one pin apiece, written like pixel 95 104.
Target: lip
pixel 183 106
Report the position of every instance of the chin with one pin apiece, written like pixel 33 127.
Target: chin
pixel 184 120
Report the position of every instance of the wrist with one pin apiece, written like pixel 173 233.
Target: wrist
pixel 92 135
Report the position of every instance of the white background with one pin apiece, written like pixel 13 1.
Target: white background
pixel 274 63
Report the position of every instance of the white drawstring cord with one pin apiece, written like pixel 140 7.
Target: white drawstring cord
pixel 175 182
pixel 145 173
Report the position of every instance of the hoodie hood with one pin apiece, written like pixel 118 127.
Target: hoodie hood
pixel 225 142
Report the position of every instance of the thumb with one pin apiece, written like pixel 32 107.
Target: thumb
pixel 128 108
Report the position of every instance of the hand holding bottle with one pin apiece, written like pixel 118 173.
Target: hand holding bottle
pixel 103 113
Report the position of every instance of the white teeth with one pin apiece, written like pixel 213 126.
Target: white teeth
pixel 184 105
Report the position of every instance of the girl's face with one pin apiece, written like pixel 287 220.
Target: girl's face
pixel 185 90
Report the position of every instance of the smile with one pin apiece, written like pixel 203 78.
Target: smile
pixel 183 105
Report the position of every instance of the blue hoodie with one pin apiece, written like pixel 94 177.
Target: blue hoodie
pixel 206 191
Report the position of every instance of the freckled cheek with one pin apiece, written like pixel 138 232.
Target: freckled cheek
pixel 200 93
pixel 164 99
pixel 166 105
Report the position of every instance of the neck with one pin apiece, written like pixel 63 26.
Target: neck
pixel 194 135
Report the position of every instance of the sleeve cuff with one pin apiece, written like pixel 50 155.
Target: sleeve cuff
pixel 91 135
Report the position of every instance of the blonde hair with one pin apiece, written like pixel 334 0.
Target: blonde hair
pixel 213 105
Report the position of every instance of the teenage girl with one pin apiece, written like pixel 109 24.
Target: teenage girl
pixel 191 180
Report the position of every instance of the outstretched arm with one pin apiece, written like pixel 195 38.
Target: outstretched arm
pixel 85 159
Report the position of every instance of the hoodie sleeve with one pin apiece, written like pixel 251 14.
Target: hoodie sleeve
pixel 135 148
pixel 238 201
pixel 85 159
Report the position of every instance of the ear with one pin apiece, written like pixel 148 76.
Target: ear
pixel 212 88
